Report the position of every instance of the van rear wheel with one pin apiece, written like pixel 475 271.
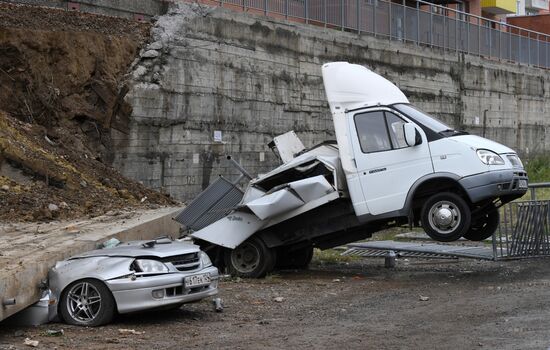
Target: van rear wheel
pixel 484 226
pixel 445 217
pixel 252 259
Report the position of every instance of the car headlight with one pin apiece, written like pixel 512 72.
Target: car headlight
pixel 151 266
pixel 205 259
pixel 489 157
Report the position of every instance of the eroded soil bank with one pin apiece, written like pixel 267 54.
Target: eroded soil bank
pixel 61 94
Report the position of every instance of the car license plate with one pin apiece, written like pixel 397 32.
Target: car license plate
pixel 197 280
pixel 522 184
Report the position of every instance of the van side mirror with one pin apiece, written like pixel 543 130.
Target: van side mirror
pixel 412 136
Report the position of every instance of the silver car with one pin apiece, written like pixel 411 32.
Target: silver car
pixel 88 289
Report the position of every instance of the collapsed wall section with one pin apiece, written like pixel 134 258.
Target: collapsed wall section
pixel 217 82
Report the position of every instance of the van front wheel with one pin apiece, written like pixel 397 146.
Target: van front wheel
pixel 445 217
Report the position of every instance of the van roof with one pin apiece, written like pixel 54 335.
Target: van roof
pixel 350 86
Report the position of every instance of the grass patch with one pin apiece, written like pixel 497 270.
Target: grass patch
pixel 538 170
pixel 331 256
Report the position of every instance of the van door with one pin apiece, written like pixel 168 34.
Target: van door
pixel 386 165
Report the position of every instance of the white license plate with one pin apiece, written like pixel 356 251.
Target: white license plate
pixel 197 280
pixel 522 184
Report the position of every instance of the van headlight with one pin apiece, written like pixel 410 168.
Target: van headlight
pixel 489 157
pixel 151 266
pixel 205 259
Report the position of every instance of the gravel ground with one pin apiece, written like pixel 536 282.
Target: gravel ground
pixel 359 304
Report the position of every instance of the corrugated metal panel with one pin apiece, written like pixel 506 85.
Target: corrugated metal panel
pixel 422 249
pixel 210 205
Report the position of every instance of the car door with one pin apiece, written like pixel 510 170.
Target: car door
pixel 387 167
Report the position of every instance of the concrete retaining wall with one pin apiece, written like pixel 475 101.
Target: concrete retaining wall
pixel 212 70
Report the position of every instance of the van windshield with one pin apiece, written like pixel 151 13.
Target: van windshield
pixel 427 120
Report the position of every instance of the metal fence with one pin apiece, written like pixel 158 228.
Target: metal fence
pixel 422 23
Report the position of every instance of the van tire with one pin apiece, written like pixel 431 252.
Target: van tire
pixel 445 217
pixel 251 259
pixel 484 226
pixel 296 259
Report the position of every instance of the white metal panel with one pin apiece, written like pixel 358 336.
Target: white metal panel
pixel 312 188
pixel 274 204
pixel 288 145
pixel 231 230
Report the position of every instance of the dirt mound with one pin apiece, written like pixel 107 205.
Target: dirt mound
pixel 61 93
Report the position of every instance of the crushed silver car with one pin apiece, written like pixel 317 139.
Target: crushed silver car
pixel 88 289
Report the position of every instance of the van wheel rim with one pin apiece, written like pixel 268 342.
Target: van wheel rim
pixel 245 258
pixel 444 217
pixel 83 302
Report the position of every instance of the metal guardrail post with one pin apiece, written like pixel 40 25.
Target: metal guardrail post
pixel 444 32
pixel 529 48
pixel 468 35
pixel 533 194
pixel 456 34
pixel 478 37
pixel 286 9
pixel 325 12
pixel 306 11
pixel 374 4
pixel 510 47
pixel 265 7
pixel 244 5
pixel 358 17
pixel 538 51
pixel 417 23
pixel 431 26
pixel 389 19
pixel 404 22
pixel 342 14
pixel 499 43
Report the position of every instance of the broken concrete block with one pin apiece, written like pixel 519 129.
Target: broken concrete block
pixel 139 71
pixel 157 45
pixel 150 54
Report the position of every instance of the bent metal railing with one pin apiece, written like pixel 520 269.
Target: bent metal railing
pixel 418 22
pixel 524 229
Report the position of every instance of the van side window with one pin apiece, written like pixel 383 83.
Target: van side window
pixel 395 127
pixel 372 132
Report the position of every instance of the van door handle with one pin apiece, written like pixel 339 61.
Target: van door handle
pixel 376 170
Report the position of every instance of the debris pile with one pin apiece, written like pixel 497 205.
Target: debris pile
pixel 61 98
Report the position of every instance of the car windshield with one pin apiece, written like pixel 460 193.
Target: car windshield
pixel 427 120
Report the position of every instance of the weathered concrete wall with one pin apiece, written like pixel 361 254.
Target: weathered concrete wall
pixel 119 8
pixel 253 78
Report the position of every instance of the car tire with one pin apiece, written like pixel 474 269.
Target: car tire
pixel 295 259
pixel 445 217
pixel 252 259
pixel 87 302
pixel 484 226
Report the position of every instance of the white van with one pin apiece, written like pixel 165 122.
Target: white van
pixel 391 164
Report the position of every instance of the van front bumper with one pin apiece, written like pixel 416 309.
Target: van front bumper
pixel 505 184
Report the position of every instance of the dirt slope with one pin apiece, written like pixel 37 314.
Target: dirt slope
pixel 60 96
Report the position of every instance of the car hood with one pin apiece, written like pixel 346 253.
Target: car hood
pixel 137 249
pixel 478 142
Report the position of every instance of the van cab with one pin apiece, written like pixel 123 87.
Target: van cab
pixel 401 162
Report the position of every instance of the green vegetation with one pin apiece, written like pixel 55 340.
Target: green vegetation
pixel 538 170
pixel 331 256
